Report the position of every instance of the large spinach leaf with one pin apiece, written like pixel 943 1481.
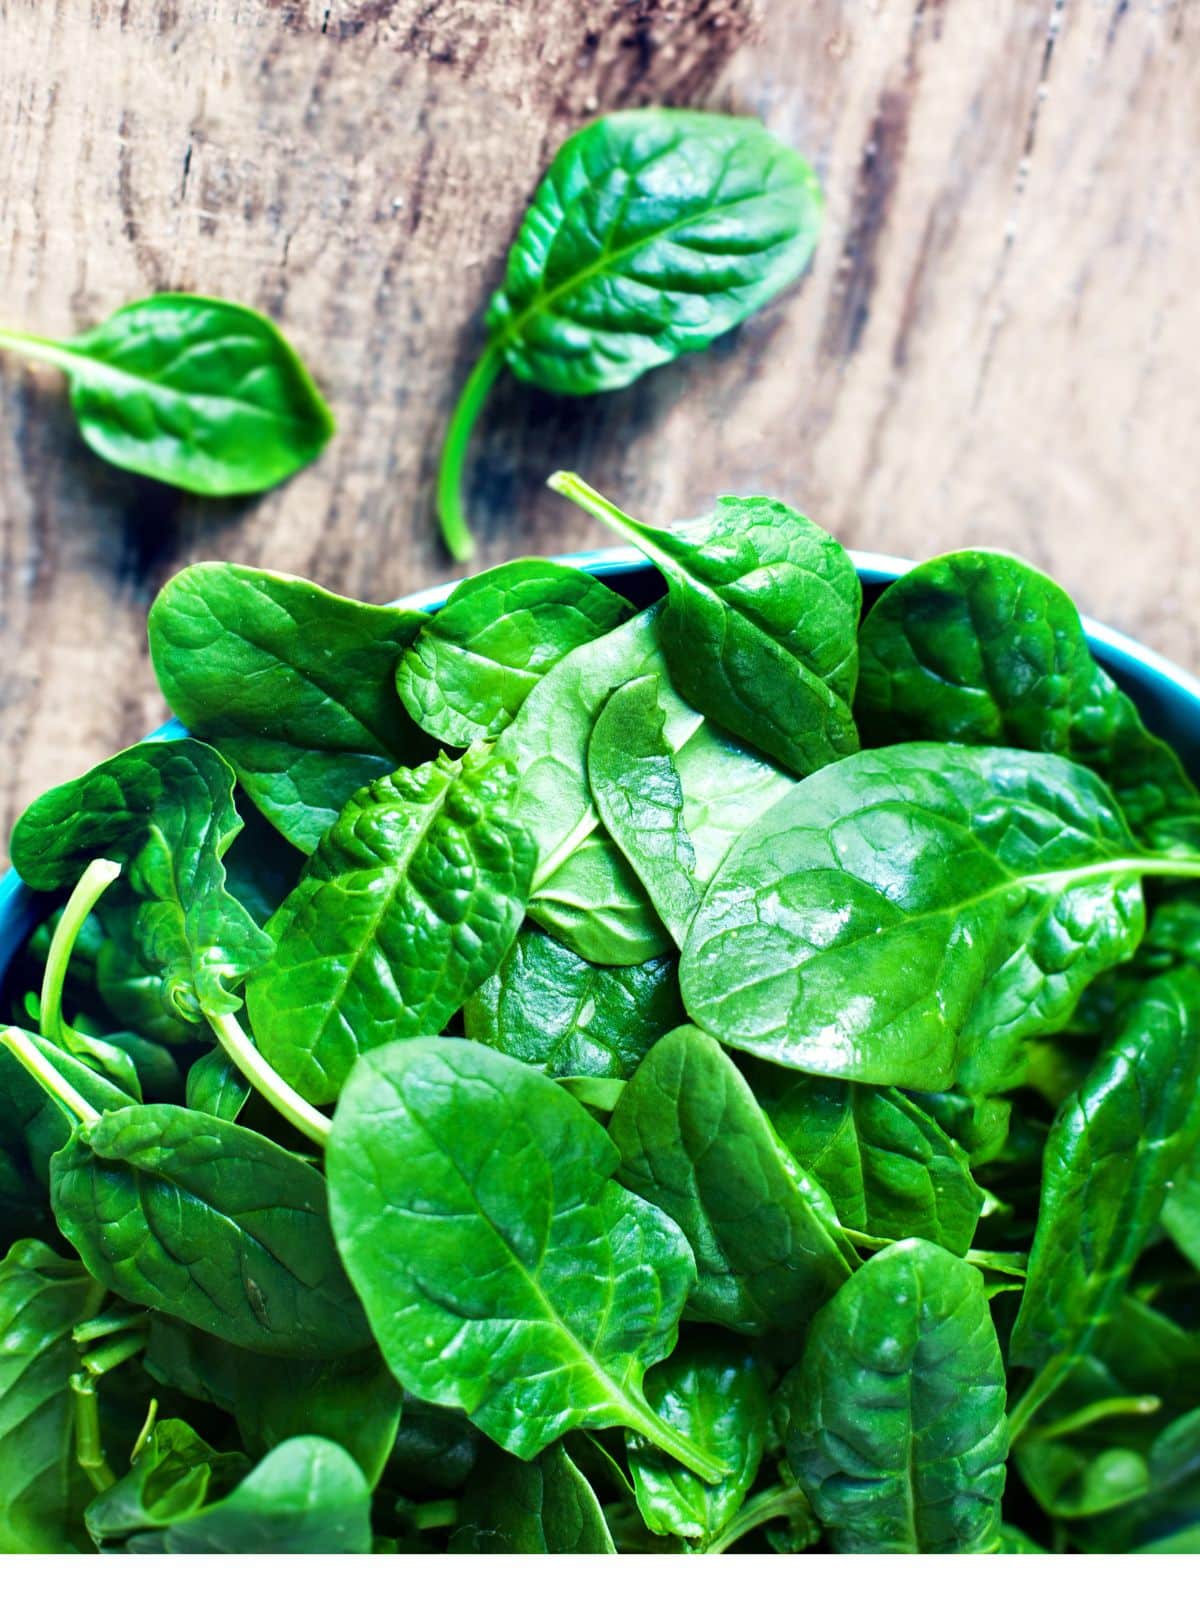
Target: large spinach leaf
pixel 540 1507
pixel 759 630
pixel 547 1005
pixel 909 916
pixel 897 1427
pixel 694 1141
pixel 200 393
pixel 409 903
pixel 294 685
pixel 501 1268
pixel 976 646
pixel 467 673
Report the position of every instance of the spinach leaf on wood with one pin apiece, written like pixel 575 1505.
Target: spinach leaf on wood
pixel 979 648
pixel 897 1428
pixel 1112 1151
pixel 166 810
pixel 694 1141
pixel 409 903
pixel 759 629
pixel 890 1170
pixel 714 1391
pixel 502 1270
pixel 653 232
pixel 909 916
pixel 294 685
pixel 546 1005
pixel 42 1488
pixel 540 1507
pixel 468 671
pixel 200 393
pixel 209 1222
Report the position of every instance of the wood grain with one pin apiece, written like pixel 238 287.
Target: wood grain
pixel 997 343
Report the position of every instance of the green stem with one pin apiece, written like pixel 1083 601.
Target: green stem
pixel 111 1322
pixel 89 1447
pixel 483 375
pixel 147 1428
pixel 110 1356
pixel 95 880
pixel 677 1445
pixel 36 348
pixel 762 1508
pixel 1038 1392
pixel 1125 1405
pixel 55 1085
pixel 261 1075
pixel 434 1514
pixel 573 488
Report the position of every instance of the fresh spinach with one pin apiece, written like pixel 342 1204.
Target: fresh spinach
pixel 652 232
pixel 540 1507
pixel 200 393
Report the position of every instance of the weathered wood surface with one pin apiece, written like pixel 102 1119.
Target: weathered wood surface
pixel 998 342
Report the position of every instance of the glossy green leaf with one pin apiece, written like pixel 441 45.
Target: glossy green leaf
pixel 41 1125
pixel 467 673
pixel 548 1006
pixel 694 1142
pixel 890 1170
pixel 409 903
pixel 294 685
pixel 897 1427
pixel 200 393
pixel 306 1498
pixel 713 1390
pixel 540 1507
pixel 502 1270
pixel 1113 1148
pixel 909 916
pixel 166 810
pixel 759 629
pixel 979 648
pixel 1181 1210
pixel 215 1086
pixel 596 905
pixel 171 1477
pixel 211 1223
pixel 42 1489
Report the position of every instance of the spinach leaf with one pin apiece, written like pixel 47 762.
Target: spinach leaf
pixel 435 1448
pixel 409 903
pixel 215 1086
pixel 306 1498
pixel 636 789
pixel 1112 1151
pixel 203 394
pixel 897 1428
pixel 694 1141
pixel 446 1155
pixel 352 1399
pixel 890 1170
pixel 41 1122
pixel 467 673
pixel 713 1390
pixel 42 1489
pixel 209 1222
pixel 546 1005
pixel 595 904
pixel 166 810
pixel 540 1507
pixel 1181 1210
pixel 294 685
pixel 653 232
pixel 979 648
pixel 909 916
pixel 171 1476
pixel 759 626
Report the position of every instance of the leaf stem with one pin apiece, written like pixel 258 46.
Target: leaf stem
pixel 110 1322
pixel 110 1356
pixel 261 1075
pixel 95 880
pixel 1038 1392
pixel 573 488
pixel 672 1442
pixel 762 1508
pixel 89 1446
pixel 35 347
pixel 455 530
pixel 55 1085
pixel 1122 1405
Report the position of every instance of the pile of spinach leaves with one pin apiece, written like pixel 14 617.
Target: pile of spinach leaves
pixel 545 1076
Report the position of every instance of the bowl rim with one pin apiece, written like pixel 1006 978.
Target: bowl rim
pixel 1111 647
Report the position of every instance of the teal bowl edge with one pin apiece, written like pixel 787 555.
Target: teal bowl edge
pixel 1167 696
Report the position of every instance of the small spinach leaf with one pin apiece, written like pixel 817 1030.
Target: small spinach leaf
pixel 172 1475
pixel 215 1086
pixel 540 1507
pixel 595 904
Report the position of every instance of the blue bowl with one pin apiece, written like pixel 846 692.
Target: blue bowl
pixel 1166 695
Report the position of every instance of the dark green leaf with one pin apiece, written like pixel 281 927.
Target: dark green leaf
pixel 208 1222
pixel 215 1086
pixel 548 1006
pixel 468 671
pixel 171 1477
pixel 200 393
pixel 29 1113
pixel 897 1428
pixel 409 903
pixel 909 916
pixel 435 1448
pixel 694 1141
pixel 294 685
pixel 540 1507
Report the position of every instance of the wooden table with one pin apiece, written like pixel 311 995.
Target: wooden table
pixel 998 342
